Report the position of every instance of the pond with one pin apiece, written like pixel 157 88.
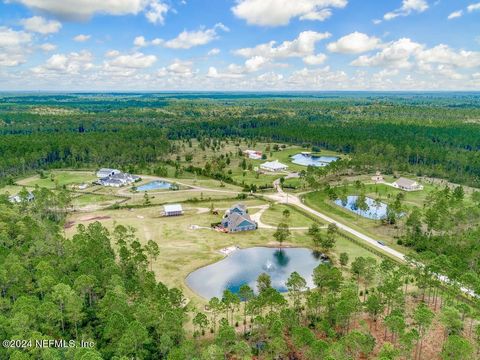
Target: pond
pixel 243 266
pixel 155 185
pixel 313 160
pixel 376 210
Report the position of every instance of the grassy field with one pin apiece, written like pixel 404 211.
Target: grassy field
pixel 374 228
pixel 55 179
pixel 274 216
pixel 183 249
pixel 11 189
pixel 94 199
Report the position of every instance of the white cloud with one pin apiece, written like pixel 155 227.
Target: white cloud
pixel 154 10
pixel 315 59
pixel 112 53
pixel 136 60
pixel 140 41
pixel 14 46
pixel 12 38
pixel 47 47
pixel 213 73
pixel 41 25
pixel 178 69
pixel 473 7
pixel 396 54
pixel 443 54
pixel 408 6
pixel 188 39
pixel 302 46
pixel 72 63
pixel 354 43
pixel 252 64
pixel 213 52
pixel 455 14
pixel 280 12
pixel 81 38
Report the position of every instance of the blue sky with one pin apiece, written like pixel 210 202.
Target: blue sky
pixel 240 45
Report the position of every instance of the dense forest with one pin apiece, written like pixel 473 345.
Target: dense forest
pixel 97 287
pixel 82 291
pixel 432 134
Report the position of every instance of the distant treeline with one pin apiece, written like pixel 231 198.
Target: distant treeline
pixel 427 134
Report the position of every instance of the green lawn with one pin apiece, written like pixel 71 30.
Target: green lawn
pixel 183 249
pixel 54 179
pixel 274 216
pixel 94 199
pixel 374 228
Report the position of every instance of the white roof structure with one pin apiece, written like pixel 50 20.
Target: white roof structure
pixel 172 208
pixel 273 165
pixel 105 172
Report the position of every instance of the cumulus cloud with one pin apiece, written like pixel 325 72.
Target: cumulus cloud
pixel 280 12
pixel 14 46
pixel 81 38
pixel 408 6
pixel 47 47
pixel 214 73
pixel 140 41
pixel 303 45
pixel 136 60
pixel 178 69
pixel 41 25
pixel 72 63
pixel 154 10
pixel 213 52
pixel 188 39
pixel 354 43
pixel 315 59
pixel 443 54
pixel 396 54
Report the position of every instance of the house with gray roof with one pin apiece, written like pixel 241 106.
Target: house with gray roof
pixel 106 172
pixel 237 219
pixel 407 184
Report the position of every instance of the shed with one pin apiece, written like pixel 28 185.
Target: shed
pixel 172 210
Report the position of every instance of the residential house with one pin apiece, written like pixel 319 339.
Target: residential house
pixel 236 219
pixel 17 199
pixel 118 179
pixel 253 154
pixel 378 177
pixel 407 184
pixel 273 166
pixel 172 210
pixel 105 172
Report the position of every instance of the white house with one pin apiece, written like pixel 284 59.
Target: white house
pixel 378 177
pixel 105 172
pixel 253 154
pixel 172 210
pixel 16 199
pixel 237 219
pixel 273 166
pixel 407 184
pixel 118 179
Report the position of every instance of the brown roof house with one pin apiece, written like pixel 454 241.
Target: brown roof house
pixel 407 184
pixel 237 219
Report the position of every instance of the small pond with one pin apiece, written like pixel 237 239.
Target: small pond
pixel 375 211
pixel 243 266
pixel 312 160
pixel 155 185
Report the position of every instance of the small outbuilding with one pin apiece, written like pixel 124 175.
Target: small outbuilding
pixel 253 154
pixel 172 210
pixel 378 177
pixel 273 166
pixel 407 184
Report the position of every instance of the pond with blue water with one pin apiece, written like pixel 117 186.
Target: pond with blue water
pixel 155 185
pixel 312 160
pixel 243 266
pixel 374 210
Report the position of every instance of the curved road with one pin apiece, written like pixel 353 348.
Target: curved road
pixel 283 197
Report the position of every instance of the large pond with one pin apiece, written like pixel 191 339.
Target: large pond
pixel 155 185
pixel 313 160
pixel 245 265
pixel 376 210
